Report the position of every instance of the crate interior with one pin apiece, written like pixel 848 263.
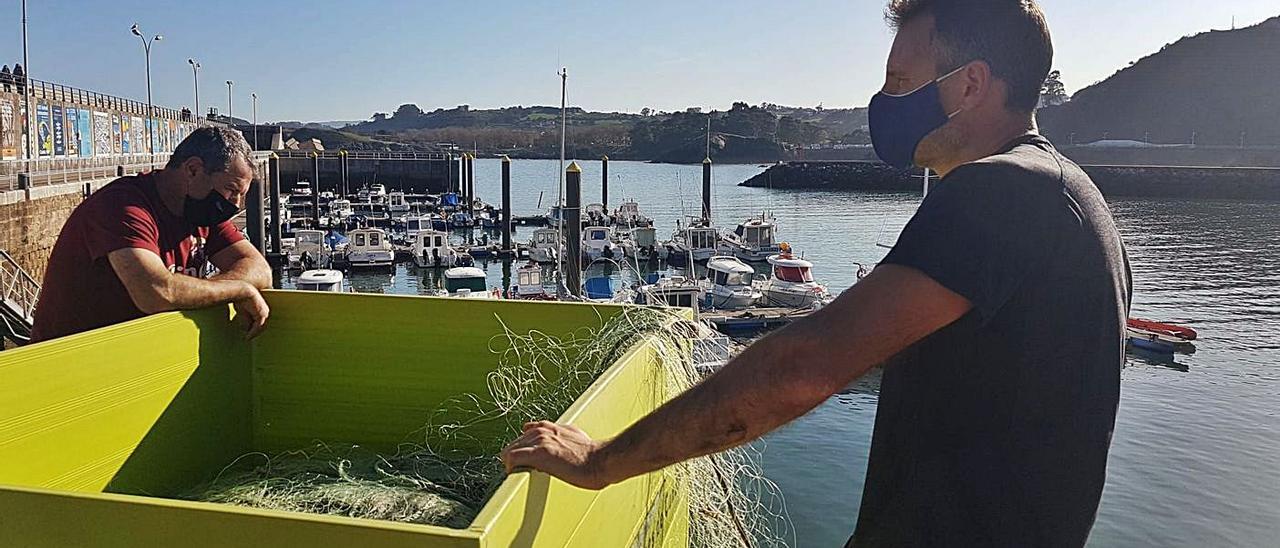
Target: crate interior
pixel 158 406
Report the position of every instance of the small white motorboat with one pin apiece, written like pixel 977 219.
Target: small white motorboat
pixel 467 282
pixel 628 215
pixel 753 240
pixel 597 243
pixel 672 291
pixel 697 241
pixel 529 286
pixel 544 245
pixel 730 286
pixel 791 283
pixel 308 250
pixel 431 249
pixel 369 248
pixel 397 203
pixel 329 281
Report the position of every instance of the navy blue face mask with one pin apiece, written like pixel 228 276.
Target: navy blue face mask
pixel 899 123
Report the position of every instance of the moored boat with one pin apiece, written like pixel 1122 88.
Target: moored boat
pixel 730 286
pixel 791 284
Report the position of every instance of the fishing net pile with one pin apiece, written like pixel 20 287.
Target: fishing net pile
pixel 452 466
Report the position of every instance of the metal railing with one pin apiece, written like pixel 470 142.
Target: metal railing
pixel 49 91
pixel 20 294
pixel 59 170
pixel 363 155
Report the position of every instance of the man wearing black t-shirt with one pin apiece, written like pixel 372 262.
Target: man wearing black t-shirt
pixel 999 316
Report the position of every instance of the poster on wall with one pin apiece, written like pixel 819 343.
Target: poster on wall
pixel 72 131
pixel 44 130
pixel 117 133
pixel 84 129
pixel 139 135
pixel 154 125
pixel 126 135
pixel 9 131
pixel 59 130
pixel 102 133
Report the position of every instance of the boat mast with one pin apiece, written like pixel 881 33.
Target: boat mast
pixel 560 243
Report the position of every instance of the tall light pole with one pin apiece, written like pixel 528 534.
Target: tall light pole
pixel 254 96
pixel 26 86
pixel 195 78
pixel 146 50
pixel 231 119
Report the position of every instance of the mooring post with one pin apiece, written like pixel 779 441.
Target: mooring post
pixel 276 257
pixel 342 168
pixel 706 190
pixel 315 188
pixel 573 233
pixel 471 186
pixel 506 206
pixel 448 162
pixel 255 224
pixel 604 183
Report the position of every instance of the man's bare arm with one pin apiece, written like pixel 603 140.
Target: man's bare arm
pixel 782 377
pixel 241 261
pixel 154 289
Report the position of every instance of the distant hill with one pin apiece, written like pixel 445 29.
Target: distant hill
pixel 1217 84
pixel 745 133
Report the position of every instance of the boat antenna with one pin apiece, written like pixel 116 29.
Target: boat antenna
pixel 564 123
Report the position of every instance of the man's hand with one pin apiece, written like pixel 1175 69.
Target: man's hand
pixel 565 452
pixel 254 310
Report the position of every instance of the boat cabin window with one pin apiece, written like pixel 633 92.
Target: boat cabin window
pixel 529 278
pixel 683 300
pixel 793 274
pixel 374 239
pixel 597 235
pixel 358 239
pixel 731 278
pixel 438 241
pixel 413 225
pixel 315 286
pixel 701 239
pixel 476 285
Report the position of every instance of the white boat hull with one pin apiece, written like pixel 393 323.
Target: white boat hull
pixel 370 259
pixel 792 295
pixel 731 299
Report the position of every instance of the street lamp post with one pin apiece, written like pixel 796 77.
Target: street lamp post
pixel 231 119
pixel 254 96
pixel 26 90
pixel 195 78
pixel 146 50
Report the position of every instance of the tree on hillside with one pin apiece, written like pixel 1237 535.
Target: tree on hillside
pixel 1053 92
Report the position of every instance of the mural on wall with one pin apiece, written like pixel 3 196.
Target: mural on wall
pixel 44 130
pixel 72 131
pixel 102 133
pixel 139 135
pixel 126 135
pixel 84 129
pixel 117 133
pixel 9 131
pixel 59 130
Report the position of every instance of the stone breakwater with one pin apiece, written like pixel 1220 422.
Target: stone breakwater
pixel 1198 183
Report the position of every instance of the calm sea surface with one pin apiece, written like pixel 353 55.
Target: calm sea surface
pixel 1196 455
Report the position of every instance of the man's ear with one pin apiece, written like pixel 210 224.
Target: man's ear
pixel 978 84
pixel 193 167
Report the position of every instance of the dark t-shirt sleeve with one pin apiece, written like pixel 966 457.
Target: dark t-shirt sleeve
pixel 980 233
pixel 221 237
pixel 117 221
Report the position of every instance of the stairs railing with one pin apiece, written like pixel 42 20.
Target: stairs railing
pixel 18 295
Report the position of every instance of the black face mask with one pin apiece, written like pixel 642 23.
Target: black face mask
pixel 211 210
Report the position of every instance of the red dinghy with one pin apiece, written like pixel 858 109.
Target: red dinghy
pixel 1184 333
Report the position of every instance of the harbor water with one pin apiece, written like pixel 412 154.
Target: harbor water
pixel 1195 459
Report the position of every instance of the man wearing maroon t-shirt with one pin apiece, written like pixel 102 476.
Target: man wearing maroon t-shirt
pixel 146 244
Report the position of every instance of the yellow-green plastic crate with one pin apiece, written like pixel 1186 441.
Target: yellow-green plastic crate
pixel 98 428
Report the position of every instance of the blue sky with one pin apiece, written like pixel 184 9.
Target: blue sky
pixel 327 60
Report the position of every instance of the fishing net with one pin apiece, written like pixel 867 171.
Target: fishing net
pixel 452 466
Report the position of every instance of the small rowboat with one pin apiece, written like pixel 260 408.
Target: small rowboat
pixel 1152 345
pixel 1170 330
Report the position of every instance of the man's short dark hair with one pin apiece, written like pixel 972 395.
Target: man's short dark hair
pixel 1009 35
pixel 217 147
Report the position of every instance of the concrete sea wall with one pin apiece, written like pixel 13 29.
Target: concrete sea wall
pixel 1180 182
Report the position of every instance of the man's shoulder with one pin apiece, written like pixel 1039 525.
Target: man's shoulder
pixel 121 195
pixel 1030 165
